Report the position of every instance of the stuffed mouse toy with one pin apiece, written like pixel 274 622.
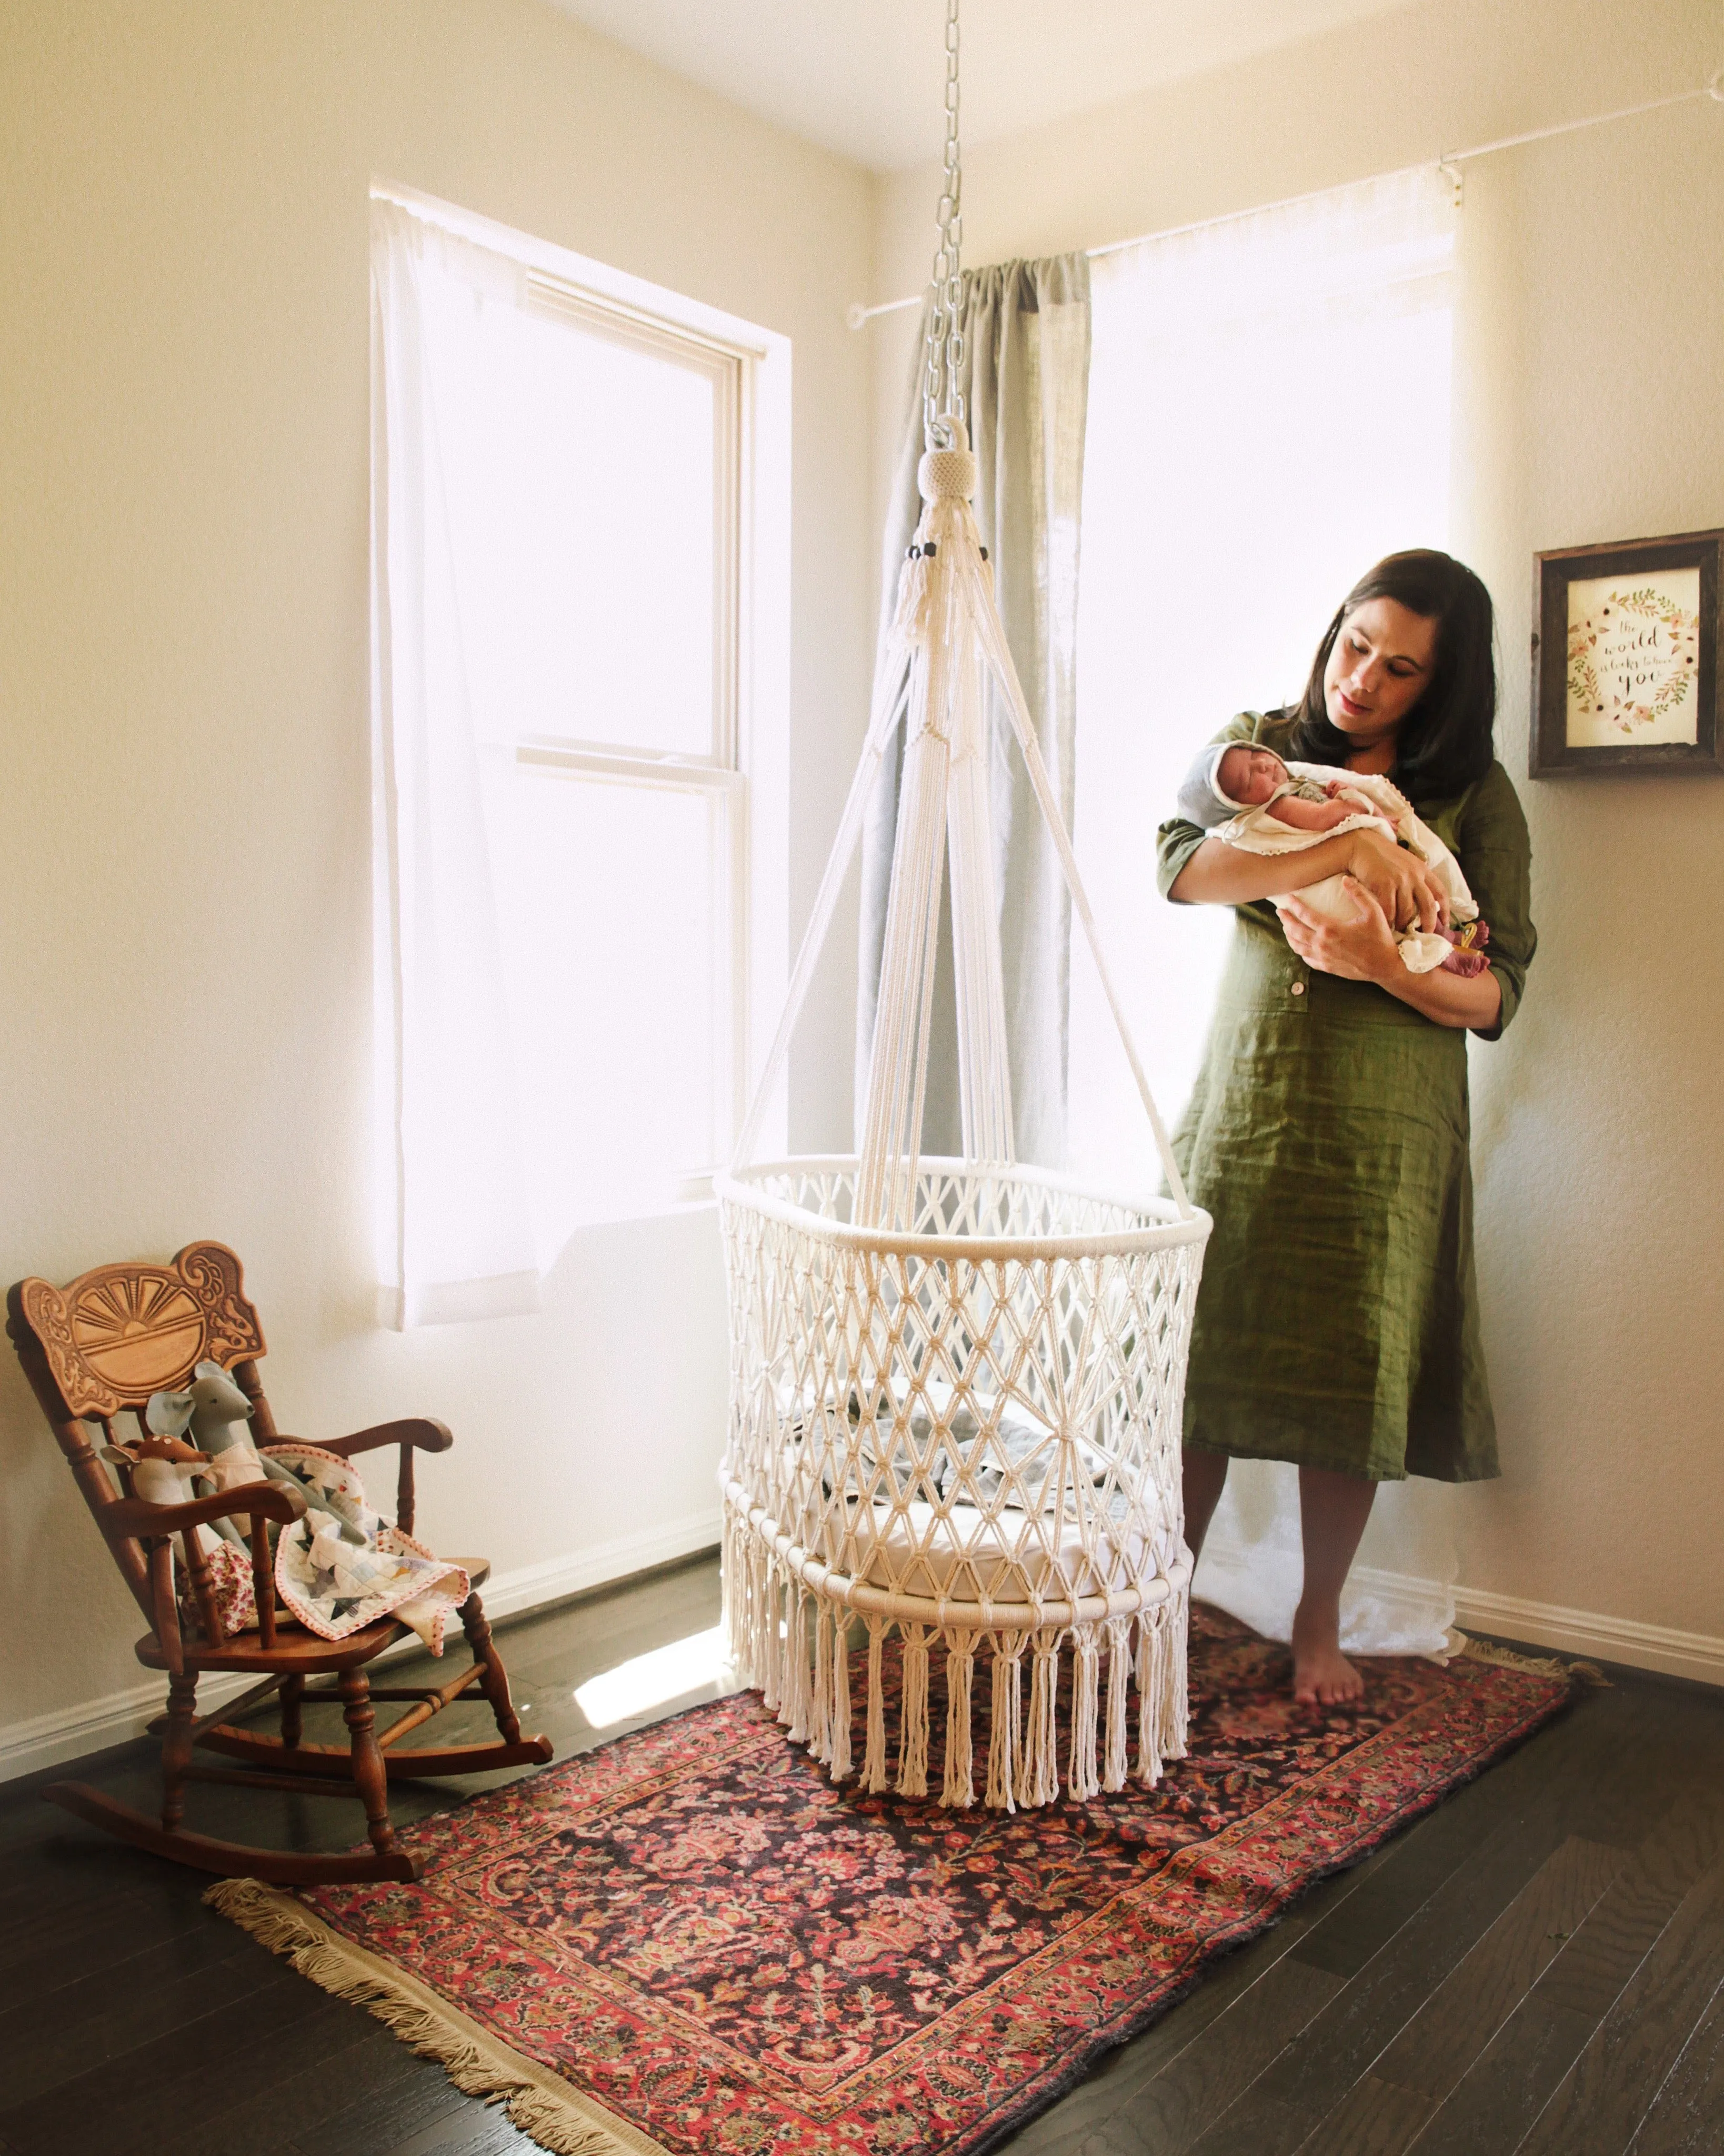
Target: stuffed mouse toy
pixel 216 1411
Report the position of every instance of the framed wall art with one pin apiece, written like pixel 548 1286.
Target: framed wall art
pixel 1625 657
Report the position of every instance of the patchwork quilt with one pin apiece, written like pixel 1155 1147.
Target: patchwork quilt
pixel 342 1566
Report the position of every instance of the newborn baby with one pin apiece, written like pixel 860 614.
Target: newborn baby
pixel 1249 798
pixel 1243 776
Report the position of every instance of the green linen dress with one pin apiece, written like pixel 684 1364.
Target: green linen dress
pixel 1337 1323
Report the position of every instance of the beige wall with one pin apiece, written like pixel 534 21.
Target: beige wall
pixel 184 967
pixel 1590 357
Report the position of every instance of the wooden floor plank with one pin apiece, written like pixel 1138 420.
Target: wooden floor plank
pixel 481 2130
pixel 1687 2114
pixel 1167 2114
pixel 1249 2129
pixel 1489 2112
pixel 54 2036
pixel 182 2076
pixel 1589 1974
pixel 1612 2084
pixel 1567 1752
pixel 1441 2040
pixel 1374 2118
pixel 370 2092
pixel 1428 1855
pixel 1501 2095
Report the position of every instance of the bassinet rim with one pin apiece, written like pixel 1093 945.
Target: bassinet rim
pixel 1173 1231
pixel 1066 1613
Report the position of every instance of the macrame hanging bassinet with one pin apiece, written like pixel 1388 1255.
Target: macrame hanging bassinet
pixel 955 1385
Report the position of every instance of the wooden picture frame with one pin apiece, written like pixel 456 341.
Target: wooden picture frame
pixel 1625 657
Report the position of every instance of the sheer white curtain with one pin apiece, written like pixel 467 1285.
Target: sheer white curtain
pixel 560 807
pixel 456 1233
pixel 1269 414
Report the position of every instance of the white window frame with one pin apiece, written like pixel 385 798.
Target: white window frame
pixel 745 774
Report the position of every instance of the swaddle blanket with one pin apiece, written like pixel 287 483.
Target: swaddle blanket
pixel 1382 807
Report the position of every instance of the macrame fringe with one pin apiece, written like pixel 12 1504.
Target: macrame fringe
pixel 958 1792
pixel 771 1624
pixel 820 1707
pixel 799 1657
pixel 543 2105
pixel 1116 1764
pixel 874 1776
pixel 1038 1776
pixel 1176 1711
pixel 840 1762
pixel 1151 1675
pixel 733 1612
pixel 793 1711
pixel 913 1735
pixel 1005 1741
pixel 760 1630
pixel 1083 1780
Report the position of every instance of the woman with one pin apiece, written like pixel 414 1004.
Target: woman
pixel 1337 1322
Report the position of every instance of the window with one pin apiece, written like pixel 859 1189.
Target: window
pixel 592 468
pixel 1269 414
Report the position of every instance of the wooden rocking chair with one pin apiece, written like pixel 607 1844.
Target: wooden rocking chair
pixel 101 1345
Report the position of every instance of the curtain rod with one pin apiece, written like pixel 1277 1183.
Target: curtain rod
pixel 1448 163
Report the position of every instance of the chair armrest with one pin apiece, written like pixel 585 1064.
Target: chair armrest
pixel 419 1431
pixel 268 1501
pixel 413 1434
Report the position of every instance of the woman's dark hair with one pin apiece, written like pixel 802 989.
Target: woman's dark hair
pixel 1445 740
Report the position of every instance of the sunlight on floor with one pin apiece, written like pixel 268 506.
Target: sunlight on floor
pixel 649 1680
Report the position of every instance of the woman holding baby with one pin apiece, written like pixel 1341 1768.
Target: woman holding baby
pixel 1337 1322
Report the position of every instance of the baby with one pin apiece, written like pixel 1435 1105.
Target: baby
pixel 1245 777
pixel 1250 799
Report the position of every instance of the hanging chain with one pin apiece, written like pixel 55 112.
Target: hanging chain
pixel 942 400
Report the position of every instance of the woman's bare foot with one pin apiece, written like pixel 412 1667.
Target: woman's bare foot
pixel 1333 1508
pixel 1322 1675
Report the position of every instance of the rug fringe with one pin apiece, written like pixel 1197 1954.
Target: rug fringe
pixel 1537 1666
pixel 537 2101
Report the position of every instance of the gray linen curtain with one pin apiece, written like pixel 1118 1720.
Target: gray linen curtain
pixel 1025 382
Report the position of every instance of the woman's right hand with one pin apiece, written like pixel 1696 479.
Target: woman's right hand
pixel 1406 889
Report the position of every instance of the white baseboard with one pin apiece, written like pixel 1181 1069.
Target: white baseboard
pixel 532 1586
pixel 1658 1647
pixel 1636 1646
pixel 46 1740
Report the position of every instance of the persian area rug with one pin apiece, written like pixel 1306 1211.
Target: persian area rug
pixel 691 1942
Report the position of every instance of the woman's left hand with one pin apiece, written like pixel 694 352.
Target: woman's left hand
pixel 1362 949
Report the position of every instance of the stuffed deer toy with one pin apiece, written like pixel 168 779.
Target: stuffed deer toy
pixel 163 1468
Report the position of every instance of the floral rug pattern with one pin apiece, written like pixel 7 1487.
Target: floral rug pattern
pixel 701 1933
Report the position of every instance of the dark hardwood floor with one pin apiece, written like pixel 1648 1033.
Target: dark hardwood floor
pixel 1538 1966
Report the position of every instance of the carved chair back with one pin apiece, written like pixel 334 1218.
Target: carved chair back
pixel 101 1345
